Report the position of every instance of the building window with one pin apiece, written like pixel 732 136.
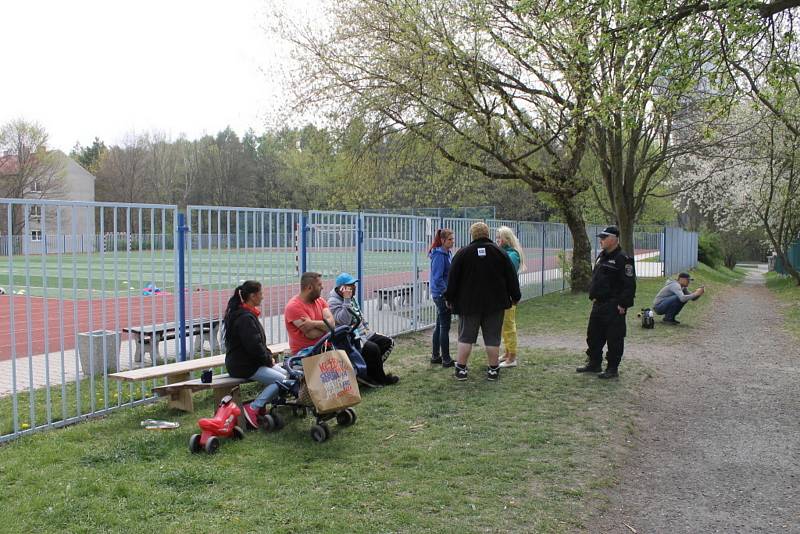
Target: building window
pixel 35 187
pixel 36 235
pixel 36 212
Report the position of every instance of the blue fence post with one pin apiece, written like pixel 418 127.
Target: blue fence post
pixel 303 243
pixel 664 270
pixel 182 230
pixel 544 234
pixel 360 259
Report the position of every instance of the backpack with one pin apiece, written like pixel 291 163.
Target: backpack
pixel 648 318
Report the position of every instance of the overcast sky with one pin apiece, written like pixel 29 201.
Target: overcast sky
pixel 105 68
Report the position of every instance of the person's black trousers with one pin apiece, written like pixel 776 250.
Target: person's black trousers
pixel 606 327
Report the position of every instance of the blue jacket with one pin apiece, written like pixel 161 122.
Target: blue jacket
pixel 440 269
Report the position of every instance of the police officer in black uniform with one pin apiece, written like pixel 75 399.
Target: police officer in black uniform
pixel 612 291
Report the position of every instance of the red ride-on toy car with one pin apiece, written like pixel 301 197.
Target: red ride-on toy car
pixel 222 425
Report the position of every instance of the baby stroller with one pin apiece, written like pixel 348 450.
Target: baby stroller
pixel 293 394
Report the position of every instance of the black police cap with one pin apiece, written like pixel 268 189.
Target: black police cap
pixel 609 230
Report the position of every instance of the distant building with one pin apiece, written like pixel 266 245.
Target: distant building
pixel 51 227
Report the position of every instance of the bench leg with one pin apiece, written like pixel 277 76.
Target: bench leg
pixel 214 342
pixel 180 400
pixel 198 343
pixel 138 356
pixel 154 355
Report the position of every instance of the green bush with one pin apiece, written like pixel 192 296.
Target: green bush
pixel 709 250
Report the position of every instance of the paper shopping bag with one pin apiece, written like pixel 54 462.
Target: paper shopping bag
pixel 331 381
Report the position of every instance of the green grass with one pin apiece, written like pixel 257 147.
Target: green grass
pixel 788 292
pixel 119 274
pixel 569 313
pixel 528 453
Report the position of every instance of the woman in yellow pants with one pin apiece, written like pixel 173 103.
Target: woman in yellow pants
pixel 508 241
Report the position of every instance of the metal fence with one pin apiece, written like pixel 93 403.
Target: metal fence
pixel 792 254
pixel 74 313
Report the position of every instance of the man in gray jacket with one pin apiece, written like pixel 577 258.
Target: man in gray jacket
pixel 673 296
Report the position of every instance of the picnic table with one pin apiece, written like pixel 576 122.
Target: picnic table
pixel 401 294
pixel 148 337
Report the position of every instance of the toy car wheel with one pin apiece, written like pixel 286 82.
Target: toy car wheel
pixel 194 443
pixel 238 433
pixel 346 417
pixel 318 433
pixel 212 444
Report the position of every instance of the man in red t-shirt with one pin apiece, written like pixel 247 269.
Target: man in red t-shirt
pixel 304 313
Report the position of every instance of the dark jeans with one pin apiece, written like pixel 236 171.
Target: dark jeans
pixel 372 355
pixel 441 333
pixel 606 327
pixel 669 307
pixel 375 350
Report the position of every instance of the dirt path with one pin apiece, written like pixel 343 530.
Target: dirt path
pixel 718 447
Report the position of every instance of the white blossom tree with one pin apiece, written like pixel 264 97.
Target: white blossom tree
pixel 750 179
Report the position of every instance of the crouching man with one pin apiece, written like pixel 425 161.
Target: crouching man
pixel 673 297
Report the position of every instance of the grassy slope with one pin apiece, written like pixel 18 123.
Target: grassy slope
pixel 789 293
pixel 527 453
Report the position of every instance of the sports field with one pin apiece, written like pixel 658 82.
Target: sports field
pixel 55 297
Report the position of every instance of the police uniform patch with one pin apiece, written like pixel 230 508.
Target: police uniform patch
pixel 629 270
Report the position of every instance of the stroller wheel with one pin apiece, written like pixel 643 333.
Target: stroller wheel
pixel 346 417
pixel 320 432
pixel 194 443
pixel 212 444
pixel 278 420
pixel 267 423
pixel 238 433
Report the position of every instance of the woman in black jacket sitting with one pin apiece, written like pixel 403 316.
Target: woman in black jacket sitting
pixel 247 354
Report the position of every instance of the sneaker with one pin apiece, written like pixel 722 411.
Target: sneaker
pixel 449 362
pixel 391 379
pixel 461 372
pixel 589 369
pixel 506 363
pixel 608 373
pixel 367 382
pixel 251 415
pixel 436 359
pixel 492 373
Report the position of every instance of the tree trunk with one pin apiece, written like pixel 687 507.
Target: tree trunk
pixel 581 249
pixel 626 224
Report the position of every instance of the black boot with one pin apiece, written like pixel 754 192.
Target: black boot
pixel 589 368
pixel 610 372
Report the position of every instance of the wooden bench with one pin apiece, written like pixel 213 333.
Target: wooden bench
pixel 148 337
pixel 180 387
pixel 402 294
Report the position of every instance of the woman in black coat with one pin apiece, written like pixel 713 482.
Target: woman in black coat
pixel 247 354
